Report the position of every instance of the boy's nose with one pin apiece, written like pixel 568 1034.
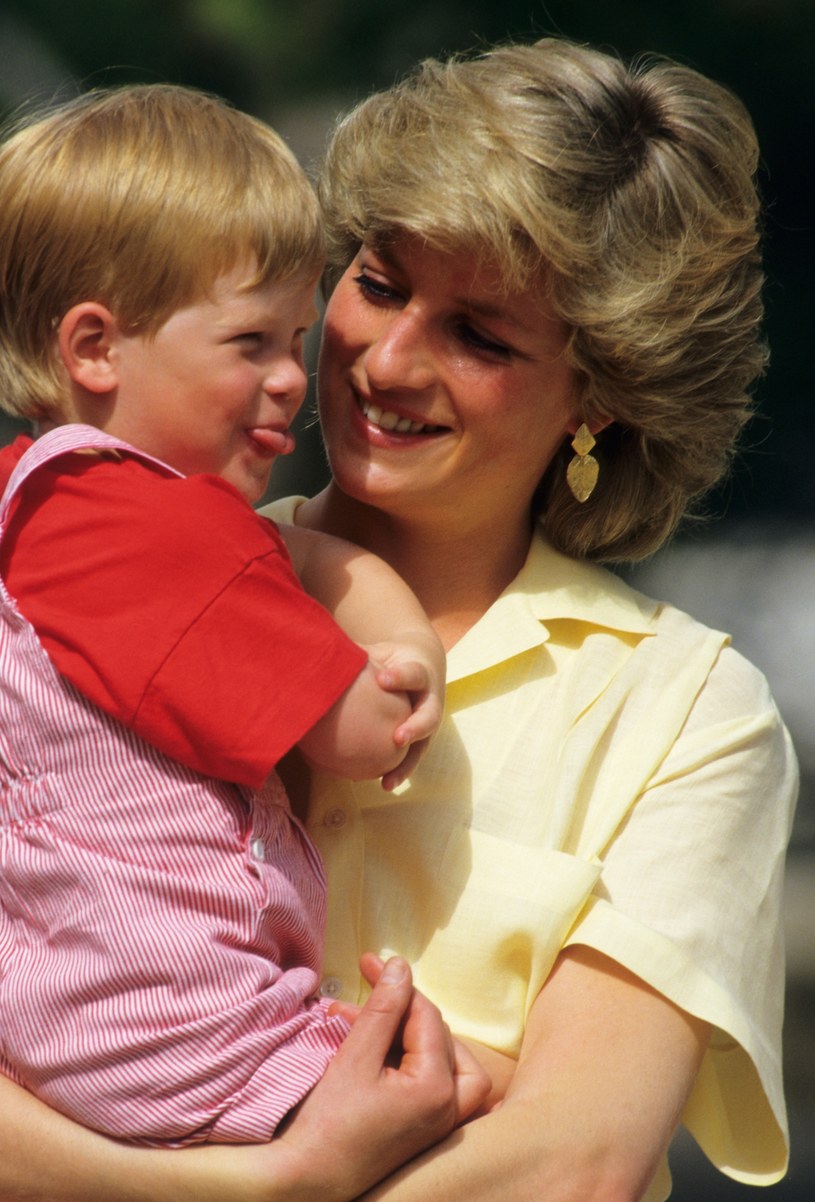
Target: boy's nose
pixel 287 382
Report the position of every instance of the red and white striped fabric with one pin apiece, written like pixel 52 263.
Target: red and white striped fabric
pixel 160 931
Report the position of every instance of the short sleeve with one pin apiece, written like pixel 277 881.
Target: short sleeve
pixel 690 901
pixel 254 670
pixel 173 606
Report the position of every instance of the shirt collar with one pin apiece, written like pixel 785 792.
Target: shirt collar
pixel 549 587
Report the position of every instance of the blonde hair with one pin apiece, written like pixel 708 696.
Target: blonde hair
pixel 628 192
pixel 139 198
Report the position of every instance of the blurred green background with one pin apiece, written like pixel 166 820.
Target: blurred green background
pixel 296 63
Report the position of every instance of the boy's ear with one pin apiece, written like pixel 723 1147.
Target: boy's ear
pixel 86 337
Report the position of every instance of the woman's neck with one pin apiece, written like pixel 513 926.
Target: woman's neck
pixel 456 572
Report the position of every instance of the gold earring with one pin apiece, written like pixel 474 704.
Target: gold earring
pixel 582 472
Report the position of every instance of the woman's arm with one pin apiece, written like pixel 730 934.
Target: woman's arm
pixel 606 1067
pixel 605 1070
pixel 391 1105
pixel 396 703
pixel 45 1157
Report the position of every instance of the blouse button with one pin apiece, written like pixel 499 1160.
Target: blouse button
pixel 257 849
pixel 331 987
pixel 335 818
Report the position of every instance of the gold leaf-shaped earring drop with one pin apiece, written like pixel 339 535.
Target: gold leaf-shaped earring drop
pixel 582 472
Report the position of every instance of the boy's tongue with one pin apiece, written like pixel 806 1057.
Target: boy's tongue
pixel 272 442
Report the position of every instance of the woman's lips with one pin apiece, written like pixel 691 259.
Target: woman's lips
pixel 386 419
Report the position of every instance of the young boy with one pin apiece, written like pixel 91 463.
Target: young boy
pixel 160 908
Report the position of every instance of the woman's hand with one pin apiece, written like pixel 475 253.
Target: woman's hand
pixel 605 1069
pixel 475 1063
pixel 473 1082
pixel 398 1085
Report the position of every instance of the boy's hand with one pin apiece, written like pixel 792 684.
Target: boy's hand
pixel 415 666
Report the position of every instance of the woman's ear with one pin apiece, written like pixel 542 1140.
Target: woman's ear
pixel 86 337
pixel 596 425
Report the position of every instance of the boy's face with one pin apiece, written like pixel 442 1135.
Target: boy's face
pixel 216 389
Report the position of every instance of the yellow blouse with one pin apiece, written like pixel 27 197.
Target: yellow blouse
pixel 609 772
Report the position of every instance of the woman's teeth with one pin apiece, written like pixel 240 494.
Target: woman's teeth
pixel 392 421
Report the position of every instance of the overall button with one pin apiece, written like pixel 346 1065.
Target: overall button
pixel 331 987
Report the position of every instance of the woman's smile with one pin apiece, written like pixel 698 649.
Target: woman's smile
pixel 439 390
pixel 387 419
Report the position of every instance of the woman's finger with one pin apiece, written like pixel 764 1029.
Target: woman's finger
pixel 378 1022
pixel 425 1036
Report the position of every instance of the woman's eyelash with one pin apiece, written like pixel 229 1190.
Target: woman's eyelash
pixel 373 287
pixel 475 339
pixel 377 291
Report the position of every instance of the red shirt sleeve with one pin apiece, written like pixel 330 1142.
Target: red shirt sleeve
pixel 10 456
pixel 174 607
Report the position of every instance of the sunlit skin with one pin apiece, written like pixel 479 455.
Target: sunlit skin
pixel 217 387
pixel 411 334
pixel 443 398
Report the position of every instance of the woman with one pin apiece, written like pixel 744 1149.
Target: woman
pixel 547 306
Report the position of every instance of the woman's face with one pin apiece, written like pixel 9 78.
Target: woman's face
pixel 441 397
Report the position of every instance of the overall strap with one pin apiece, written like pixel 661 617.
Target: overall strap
pixel 62 440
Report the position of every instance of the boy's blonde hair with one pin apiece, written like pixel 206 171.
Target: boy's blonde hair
pixel 139 198
pixel 628 193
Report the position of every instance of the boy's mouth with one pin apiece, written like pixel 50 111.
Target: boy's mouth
pixel 272 442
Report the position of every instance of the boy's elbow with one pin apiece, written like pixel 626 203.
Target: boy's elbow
pixel 355 739
pixel 368 763
pixel 357 743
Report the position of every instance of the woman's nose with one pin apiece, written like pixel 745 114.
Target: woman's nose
pixel 400 356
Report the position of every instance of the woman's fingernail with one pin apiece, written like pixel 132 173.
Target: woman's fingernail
pixel 394 971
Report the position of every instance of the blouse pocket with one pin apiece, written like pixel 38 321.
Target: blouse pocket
pixel 511 908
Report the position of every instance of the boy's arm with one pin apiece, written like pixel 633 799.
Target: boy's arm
pixel 360 737
pixel 383 720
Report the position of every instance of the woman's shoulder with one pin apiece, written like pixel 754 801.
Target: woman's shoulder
pixel 670 642
pixel 564 588
pixel 283 510
pixel 732 684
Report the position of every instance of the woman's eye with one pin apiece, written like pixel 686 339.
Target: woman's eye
pixel 480 342
pixel 373 289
